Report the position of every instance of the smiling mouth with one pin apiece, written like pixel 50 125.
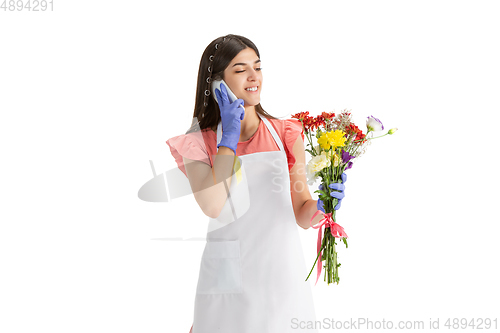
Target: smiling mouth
pixel 251 89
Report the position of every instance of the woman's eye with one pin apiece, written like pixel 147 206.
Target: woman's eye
pixel 257 69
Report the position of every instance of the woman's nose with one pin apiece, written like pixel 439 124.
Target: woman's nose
pixel 252 75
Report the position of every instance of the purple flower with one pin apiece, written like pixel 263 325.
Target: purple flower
pixel 346 157
pixel 373 124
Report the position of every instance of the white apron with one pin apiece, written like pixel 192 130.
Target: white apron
pixel 252 272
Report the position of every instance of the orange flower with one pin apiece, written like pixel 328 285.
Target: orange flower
pixel 308 123
pixel 351 129
pixel 360 136
pixel 305 119
pixel 300 115
pixel 327 115
pixel 319 121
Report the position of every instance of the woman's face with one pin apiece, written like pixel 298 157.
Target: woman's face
pixel 244 77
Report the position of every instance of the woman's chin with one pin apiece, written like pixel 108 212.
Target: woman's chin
pixel 252 102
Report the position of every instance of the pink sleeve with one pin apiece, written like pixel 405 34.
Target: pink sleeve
pixel 293 127
pixel 191 146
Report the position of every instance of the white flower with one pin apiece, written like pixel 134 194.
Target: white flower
pixel 318 163
pixel 373 124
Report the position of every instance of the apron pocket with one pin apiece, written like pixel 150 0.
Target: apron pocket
pixel 220 270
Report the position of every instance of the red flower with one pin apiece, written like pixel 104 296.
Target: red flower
pixel 354 130
pixel 300 115
pixel 319 121
pixel 361 136
pixel 327 115
pixel 312 123
pixel 351 129
pixel 308 123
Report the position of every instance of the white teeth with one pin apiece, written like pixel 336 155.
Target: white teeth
pixel 251 89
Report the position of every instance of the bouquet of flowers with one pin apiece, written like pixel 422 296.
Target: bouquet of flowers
pixel 340 142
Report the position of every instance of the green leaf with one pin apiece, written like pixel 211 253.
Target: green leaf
pixel 345 242
pixel 322 192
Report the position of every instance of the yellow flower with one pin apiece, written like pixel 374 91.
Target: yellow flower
pixel 332 139
pixel 323 141
pixel 328 155
pixel 336 159
pixel 336 138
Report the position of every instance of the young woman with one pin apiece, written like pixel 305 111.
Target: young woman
pixel 247 173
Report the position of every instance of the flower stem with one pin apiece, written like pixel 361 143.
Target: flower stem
pixel 371 138
pixel 379 136
pixel 308 136
pixel 321 249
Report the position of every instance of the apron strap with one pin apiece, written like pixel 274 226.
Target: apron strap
pixel 268 125
pixel 273 132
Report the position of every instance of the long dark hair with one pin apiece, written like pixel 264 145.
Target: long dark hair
pixel 214 61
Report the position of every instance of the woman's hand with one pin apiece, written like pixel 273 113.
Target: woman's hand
pixel 231 116
pixel 337 193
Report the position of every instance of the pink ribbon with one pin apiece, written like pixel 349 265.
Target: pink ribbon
pixel 335 229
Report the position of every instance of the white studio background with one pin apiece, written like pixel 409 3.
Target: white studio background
pixel 90 92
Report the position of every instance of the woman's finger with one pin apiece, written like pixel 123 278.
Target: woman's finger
pixel 338 195
pixel 337 186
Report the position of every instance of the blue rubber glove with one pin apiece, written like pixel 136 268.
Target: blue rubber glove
pixel 231 116
pixel 340 187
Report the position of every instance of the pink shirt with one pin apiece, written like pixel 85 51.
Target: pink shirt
pixel 202 146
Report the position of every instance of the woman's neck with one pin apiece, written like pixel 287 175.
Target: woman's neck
pixel 249 124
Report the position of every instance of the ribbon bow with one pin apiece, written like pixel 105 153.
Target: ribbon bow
pixel 335 229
